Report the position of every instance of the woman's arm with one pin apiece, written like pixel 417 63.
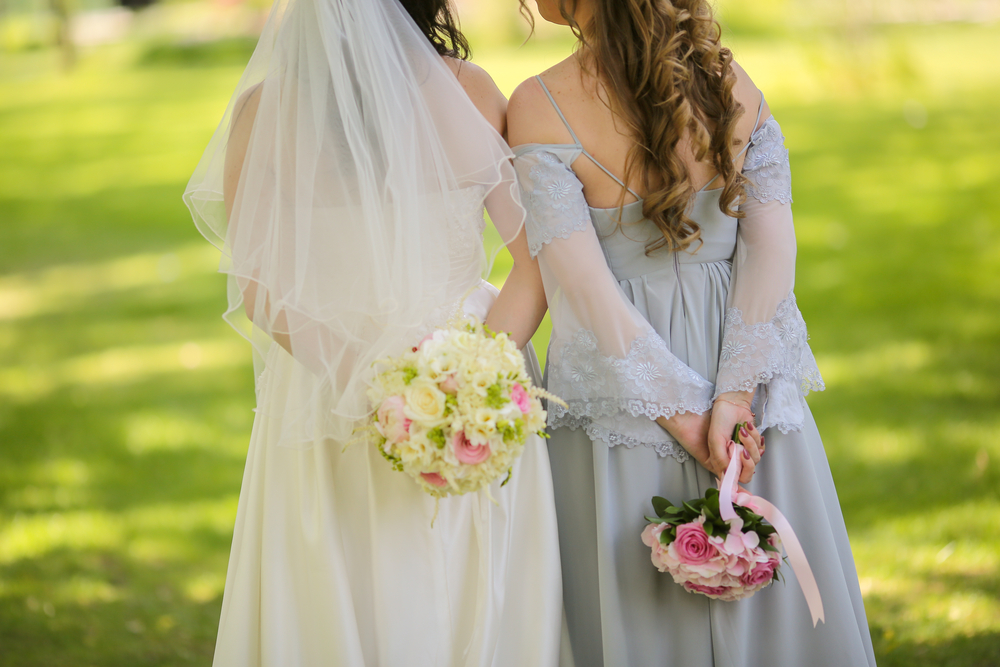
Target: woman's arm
pixel 521 305
pixel 244 114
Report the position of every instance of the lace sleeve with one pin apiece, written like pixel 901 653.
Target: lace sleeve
pixel 768 172
pixel 765 344
pixel 605 360
pixel 553 197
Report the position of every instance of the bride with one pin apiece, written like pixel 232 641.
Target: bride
pixel 345 188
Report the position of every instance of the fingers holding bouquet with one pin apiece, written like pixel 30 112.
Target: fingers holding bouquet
pixel 732 423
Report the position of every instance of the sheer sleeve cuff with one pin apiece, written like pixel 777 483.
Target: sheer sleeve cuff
pixel 618 399
pixel 775 354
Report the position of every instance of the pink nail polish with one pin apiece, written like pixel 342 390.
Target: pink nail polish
pixel 745 455
pixel 743 432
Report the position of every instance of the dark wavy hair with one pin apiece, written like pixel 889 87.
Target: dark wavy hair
pixel 669 78
pixel 436 20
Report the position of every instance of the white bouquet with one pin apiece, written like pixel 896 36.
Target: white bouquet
pixel 454 413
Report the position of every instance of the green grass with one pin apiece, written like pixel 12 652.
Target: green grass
pixel 125 400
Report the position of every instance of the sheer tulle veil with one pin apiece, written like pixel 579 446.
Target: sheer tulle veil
pixel 349 231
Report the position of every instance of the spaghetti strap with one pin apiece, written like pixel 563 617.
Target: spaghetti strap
pixel 749 143
pixel 576 140
pixel 559 111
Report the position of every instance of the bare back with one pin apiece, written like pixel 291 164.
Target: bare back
pixel 532 118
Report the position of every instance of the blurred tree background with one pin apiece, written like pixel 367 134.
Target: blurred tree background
pixel 125 401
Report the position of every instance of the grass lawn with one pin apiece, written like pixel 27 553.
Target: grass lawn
pixel 125 400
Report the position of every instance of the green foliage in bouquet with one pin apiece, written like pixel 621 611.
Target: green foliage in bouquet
pixel 715 525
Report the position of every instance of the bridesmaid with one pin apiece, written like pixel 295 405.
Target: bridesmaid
pixel 658 189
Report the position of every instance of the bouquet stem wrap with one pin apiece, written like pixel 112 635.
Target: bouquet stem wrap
pixel 796 556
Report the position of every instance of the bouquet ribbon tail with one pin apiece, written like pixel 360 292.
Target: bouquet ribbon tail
pixel 796 556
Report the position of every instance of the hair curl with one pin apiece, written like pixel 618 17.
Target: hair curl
pixel 668 77
pixel 435 19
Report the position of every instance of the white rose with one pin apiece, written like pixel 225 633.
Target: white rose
pixel 424 402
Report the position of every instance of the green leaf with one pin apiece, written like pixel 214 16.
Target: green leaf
pixel 661 505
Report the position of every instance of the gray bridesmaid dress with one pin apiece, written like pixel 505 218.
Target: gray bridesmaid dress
pixel 607 462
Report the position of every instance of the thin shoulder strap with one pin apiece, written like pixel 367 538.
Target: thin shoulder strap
pixel 559 111
pixel 749 143
pixel 576 140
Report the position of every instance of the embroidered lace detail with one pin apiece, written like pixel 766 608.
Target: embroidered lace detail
pixel 664 447
pixel 556 206
pixel 766 167
pixel 617 400
pixel 774 353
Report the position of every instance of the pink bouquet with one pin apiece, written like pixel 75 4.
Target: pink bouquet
pixel 728 544
pixel 725 560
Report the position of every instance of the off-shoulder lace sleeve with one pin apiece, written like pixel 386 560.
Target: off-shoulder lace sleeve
pixel 765 344
pixel 605 360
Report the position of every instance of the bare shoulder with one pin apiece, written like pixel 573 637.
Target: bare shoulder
pixel 483 92
pixel 531 118
pixel 750 96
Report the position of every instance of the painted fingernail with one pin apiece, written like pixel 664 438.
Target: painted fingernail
pixel 750 425
pixel 745 455
pixel 743 432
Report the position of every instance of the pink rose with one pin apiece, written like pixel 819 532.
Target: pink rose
pixel 701 588
pixel 449 385
pixel 760 574
pixel 692 544
pixel 392 421
pixel 520 398
pixel 434 479
pixel 468 453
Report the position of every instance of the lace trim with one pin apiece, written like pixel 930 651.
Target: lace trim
pixel 766 167
pixel 614 436
pixel 759 353
pixel 603 393
pixel 556 206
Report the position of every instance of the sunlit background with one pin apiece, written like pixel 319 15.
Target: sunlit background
pixel 125 401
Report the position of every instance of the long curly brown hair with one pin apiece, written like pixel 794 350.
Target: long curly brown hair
pixel 669 78
pixel 436 20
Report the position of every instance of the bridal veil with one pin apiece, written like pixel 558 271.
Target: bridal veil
pixel 344 240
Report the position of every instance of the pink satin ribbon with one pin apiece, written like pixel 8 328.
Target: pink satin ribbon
pixel 796 556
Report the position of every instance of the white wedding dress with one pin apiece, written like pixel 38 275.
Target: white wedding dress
pixel 334 560
pixel 345 189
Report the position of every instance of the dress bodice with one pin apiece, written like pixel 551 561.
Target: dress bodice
pixel 624 235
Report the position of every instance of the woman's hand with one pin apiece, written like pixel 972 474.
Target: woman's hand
pixel 729 410
pixel 691 431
